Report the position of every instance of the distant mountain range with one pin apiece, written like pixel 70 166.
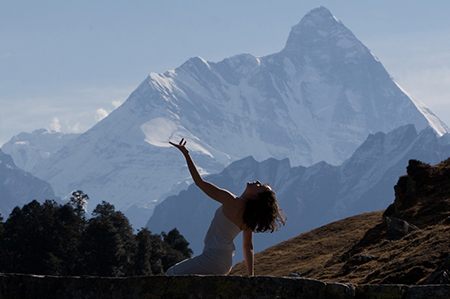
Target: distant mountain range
pixel 29 149
pixel 311 196
pixel 18 187
pixel 316 100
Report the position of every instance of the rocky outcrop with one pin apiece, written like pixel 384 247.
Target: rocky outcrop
pixel 422 195
pixel 197 286
pixel 442 273
pixel 397 228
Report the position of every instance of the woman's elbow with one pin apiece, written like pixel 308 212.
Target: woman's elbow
pixel 199 182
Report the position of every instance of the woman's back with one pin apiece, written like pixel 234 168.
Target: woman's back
pixel 221 232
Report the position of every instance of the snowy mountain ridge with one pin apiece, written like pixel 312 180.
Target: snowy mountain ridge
pixel 29 149
pixel 298 89
pixel 438 126
pixel 316 100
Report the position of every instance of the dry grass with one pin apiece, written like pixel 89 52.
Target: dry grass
pixel 330 253
pixel 312 250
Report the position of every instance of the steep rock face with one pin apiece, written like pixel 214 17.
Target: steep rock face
pixel 422 192
pixel 316 100
pixel 310 196
pixel 18 187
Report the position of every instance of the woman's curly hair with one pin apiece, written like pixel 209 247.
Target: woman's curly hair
pixel 264 214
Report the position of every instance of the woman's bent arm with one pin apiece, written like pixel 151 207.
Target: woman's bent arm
pixel 247 244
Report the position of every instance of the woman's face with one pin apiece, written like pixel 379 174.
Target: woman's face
pixel 254 188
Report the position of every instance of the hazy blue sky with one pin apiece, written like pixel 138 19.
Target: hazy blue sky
pixel 66 64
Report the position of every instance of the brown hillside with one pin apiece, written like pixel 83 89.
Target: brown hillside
pixel 408 243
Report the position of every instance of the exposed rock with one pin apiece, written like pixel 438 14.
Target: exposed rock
pixel 422 196
pixel 360 259
pixel 404 193
pixel 442 273
pixel 303 274
pixel 397 228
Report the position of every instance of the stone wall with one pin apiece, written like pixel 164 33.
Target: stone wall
pixel 196 286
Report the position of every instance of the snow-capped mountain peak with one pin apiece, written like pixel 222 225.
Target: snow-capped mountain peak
pixel 319 29
pixel 316 100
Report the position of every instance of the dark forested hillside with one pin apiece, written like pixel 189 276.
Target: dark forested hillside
pixel 55 239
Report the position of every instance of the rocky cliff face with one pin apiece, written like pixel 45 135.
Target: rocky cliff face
pixel 422 196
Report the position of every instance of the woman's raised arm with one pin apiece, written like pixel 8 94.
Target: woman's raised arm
pixel 221 195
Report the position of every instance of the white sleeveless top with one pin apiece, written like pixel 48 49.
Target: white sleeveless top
pixel 221 232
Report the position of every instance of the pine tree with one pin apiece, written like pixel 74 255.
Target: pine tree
pixel 79 201
pixel 108 243
pixel 57 239
pixel 175 248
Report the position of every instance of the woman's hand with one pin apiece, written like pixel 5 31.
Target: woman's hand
pixel 181 146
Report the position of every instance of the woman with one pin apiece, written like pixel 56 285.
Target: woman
pixel 256 210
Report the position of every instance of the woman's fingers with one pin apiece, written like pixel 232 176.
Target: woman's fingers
pixel 182 143
pixel 180 146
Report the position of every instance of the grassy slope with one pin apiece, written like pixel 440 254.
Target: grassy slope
pixel 329 253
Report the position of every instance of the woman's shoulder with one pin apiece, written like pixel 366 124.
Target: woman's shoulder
pixel 234 206
pixel 234 210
